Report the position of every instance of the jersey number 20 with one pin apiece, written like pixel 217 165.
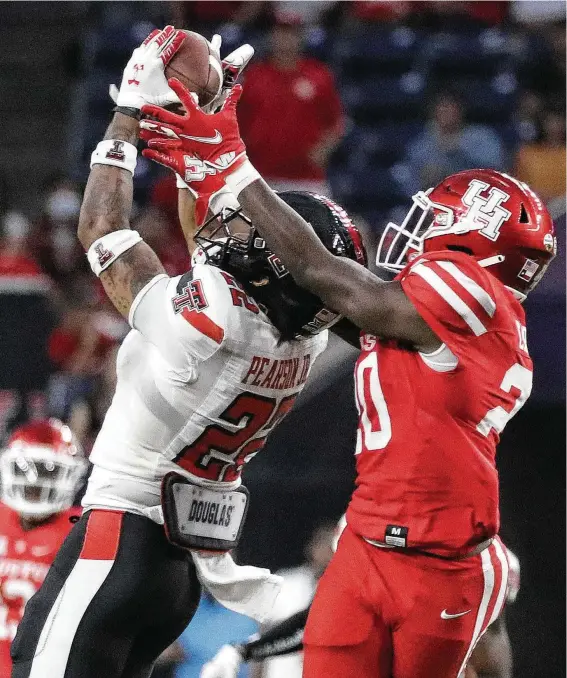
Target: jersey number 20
pixel 375 428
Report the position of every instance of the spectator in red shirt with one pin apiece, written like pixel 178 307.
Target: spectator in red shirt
pixel 290 113
pixel 15 257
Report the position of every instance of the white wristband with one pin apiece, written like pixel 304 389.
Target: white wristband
pixel 104 251
pixel 242 177
pixel 224 197
pixel 117 153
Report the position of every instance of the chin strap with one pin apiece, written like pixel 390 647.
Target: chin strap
pixel 491 261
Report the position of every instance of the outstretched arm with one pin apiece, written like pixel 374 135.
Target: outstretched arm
pixel 123 262
pixel 187 218
pixel 345 286
pixel 210 146
pixel 106 208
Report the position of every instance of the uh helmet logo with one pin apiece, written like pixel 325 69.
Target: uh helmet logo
pixel 485 214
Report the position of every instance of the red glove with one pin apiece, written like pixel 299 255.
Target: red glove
pixel 202 148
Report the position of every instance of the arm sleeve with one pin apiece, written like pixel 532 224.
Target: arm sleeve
pixel 284 638
pixel 453 298
pixel 186 317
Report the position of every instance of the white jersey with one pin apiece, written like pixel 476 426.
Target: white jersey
pixel 202 378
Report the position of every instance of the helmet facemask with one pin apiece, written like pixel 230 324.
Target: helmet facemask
pixel 399 242
pixel 426 219
pixel 229 228
pixel 37 482
pixel 229 241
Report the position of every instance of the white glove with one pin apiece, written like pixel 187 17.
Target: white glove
pixel 144 81
pixel 232 67
pixel 224 664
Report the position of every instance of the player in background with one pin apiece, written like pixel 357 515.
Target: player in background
pixel 41 471
pixel 420 571
pixel 492 657
pixel 214 361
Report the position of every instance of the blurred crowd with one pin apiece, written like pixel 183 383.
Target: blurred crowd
pixel 314 117
pixel 301 129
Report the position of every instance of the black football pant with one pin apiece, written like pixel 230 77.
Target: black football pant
pixel 116 596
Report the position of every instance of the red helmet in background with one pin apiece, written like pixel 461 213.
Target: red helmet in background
pixel 41 469
pixel 493 217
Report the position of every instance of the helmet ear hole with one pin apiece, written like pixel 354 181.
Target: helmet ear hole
pixel 524 219
pixel 459 248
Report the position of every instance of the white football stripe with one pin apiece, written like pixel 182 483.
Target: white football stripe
pixel 503 584
pixel 475 290
pixel 453 299
pixel 58 633
pixel 488 573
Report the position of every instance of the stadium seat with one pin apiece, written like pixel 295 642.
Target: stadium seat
pixel 386 98
pixel 373 52
pixel 448 55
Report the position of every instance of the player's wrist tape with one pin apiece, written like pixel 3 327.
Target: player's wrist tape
pixel 117 153
pixel 224 197
pixel 179 181
pixel 106 250
pixel 242 177
pixel 130 111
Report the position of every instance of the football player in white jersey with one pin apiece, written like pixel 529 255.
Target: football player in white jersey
pixel 214 360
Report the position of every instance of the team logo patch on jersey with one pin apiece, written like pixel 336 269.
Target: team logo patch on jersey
pixel 189 295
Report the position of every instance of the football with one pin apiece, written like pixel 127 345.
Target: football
pixel 197 67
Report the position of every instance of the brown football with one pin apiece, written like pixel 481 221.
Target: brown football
pixel 196 67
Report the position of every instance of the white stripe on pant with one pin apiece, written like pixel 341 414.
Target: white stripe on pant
pixel 54 646
pixel 488 573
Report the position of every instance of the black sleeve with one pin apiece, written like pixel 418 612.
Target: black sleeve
pixel 347 331
pixel 284 638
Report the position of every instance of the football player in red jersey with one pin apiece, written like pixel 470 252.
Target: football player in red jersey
pixel 420 572
pixel 492 656
pixel 40 472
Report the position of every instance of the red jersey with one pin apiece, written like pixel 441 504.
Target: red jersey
pixel 25 557
pixel 429 424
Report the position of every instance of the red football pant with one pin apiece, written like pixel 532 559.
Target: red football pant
pixel 380 613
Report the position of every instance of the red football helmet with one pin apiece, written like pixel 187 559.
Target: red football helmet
pixel 495 218
pixel 41 469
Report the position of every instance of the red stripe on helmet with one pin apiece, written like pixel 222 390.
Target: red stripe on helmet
pixel 359 249
pixel 346 221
